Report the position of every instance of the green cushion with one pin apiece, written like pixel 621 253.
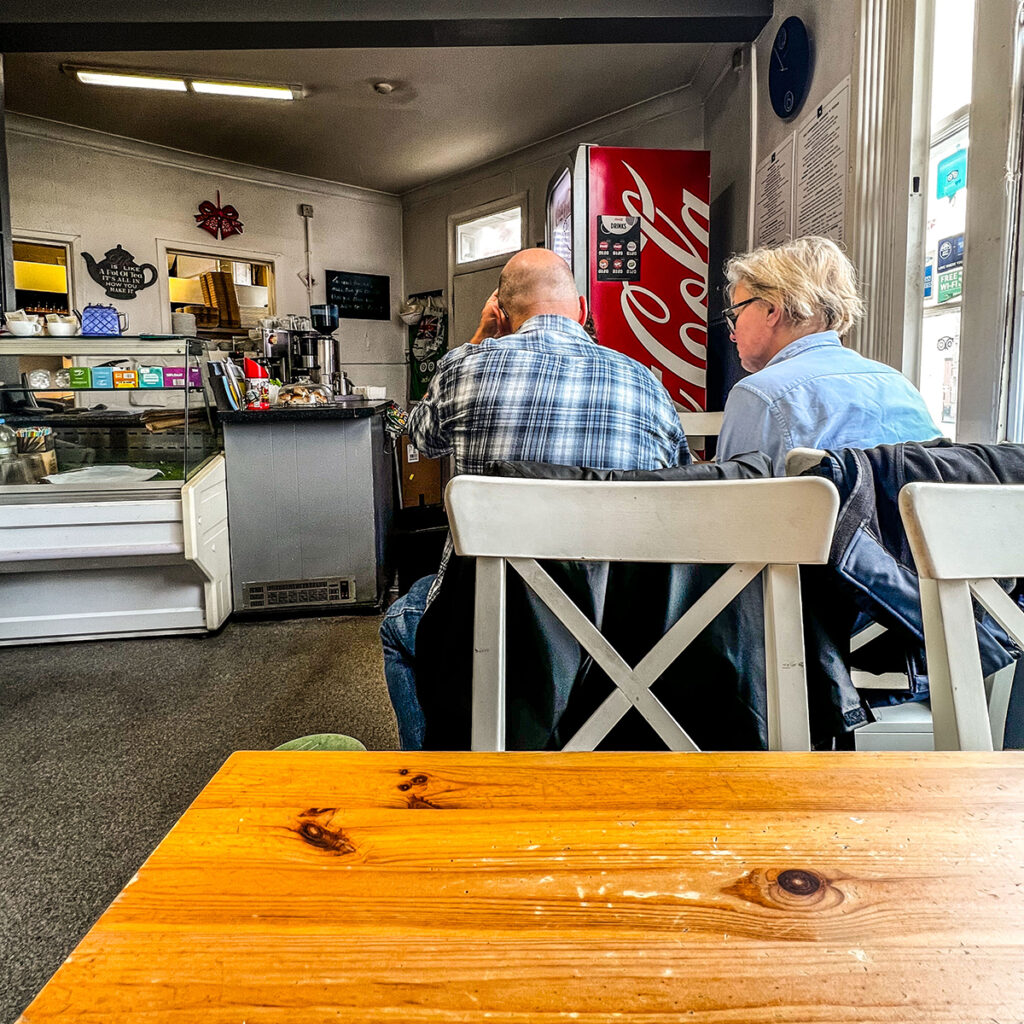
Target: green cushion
pixel 323 741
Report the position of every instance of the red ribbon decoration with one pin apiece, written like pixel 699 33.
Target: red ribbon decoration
pixel 221 222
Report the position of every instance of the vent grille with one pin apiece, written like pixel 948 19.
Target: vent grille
pixel 293 593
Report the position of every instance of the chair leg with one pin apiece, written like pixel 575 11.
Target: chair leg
pixel 488 715
pixel 999 690
pixel 959 710
pixel 785 675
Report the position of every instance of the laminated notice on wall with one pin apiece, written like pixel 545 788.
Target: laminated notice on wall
pixel 773 208
pixel 821 167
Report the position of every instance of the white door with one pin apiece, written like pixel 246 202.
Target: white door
pixel 469 293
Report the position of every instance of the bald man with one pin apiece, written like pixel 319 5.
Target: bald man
pixel 530 385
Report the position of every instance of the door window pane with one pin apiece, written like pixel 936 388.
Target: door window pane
pixel 952 58
pixel 943 277
pixel 946 195
pixel 488 236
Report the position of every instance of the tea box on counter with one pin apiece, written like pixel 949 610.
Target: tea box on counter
pixel 99 377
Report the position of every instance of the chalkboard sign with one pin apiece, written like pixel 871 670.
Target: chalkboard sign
pixel 360 296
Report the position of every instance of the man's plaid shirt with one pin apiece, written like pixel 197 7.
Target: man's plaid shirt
pixel 547 393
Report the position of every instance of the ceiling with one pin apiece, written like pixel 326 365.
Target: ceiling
pixel 452 108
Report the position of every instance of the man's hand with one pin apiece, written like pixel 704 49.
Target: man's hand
pixel 493 323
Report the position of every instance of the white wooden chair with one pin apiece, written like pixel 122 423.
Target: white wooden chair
pixel 699 426
pixel 753 525
pixel 899 727
pixel 907 726
pixel 963 537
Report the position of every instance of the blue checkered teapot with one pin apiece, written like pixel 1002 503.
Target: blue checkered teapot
pixel 99 319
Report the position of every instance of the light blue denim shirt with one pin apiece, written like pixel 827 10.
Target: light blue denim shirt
pixel 815 393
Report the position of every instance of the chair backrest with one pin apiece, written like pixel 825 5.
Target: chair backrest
pixel 963 537
pixel 699 426
pixel 770 525
pixel 800 459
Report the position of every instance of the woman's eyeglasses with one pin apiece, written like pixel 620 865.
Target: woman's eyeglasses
pixel 731 313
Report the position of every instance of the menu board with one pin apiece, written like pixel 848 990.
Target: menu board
pixel 359 296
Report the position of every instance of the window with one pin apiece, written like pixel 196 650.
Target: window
pixel 226 295
pixel 946 220
pixel 493 235
pixel 41 278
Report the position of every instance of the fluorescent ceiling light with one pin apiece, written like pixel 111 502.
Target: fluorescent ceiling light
pixel 137 79
pixel 131 81
pixel 262 92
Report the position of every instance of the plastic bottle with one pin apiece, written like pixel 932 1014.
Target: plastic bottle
pixel 8 441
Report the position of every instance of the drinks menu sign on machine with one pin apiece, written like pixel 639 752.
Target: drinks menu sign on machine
pixel 618 248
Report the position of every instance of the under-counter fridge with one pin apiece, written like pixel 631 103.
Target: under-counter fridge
pixel 633 225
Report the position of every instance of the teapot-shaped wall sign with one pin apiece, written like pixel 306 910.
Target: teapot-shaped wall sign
pixel 119 274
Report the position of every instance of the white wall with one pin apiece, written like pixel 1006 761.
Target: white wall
pixel 833 28
pixel 672 121
pixel 97 190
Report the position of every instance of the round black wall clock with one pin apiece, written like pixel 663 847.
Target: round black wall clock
pixel 789 73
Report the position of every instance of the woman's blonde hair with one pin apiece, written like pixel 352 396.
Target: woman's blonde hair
pixel 809 278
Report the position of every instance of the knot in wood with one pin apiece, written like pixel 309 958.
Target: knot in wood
pixel 788 889
pixel 324 837
pixel 798 882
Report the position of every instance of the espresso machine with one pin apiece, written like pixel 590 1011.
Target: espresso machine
pixel 325 349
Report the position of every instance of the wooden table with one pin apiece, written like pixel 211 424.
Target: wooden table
pixel 732 888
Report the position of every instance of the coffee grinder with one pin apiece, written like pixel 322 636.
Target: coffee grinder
pixel 324 318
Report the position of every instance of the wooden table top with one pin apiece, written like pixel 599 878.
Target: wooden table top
pixel 422 887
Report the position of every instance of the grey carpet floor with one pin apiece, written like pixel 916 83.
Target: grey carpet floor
pixel 104 744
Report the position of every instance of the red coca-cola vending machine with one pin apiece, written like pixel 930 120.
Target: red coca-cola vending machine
pixel 633 225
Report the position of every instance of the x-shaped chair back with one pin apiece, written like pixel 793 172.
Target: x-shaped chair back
pixel 963 538
pixel 754 526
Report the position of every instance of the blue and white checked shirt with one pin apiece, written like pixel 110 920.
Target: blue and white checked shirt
pixel 547 393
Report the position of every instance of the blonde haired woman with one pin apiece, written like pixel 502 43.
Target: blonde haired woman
pixel 790 305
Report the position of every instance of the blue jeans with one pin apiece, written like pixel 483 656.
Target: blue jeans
pixel 398 638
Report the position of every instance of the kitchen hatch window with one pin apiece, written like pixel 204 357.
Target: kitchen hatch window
pixel 41 278
pixel 226 296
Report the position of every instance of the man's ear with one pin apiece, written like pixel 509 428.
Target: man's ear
pixel 582 318
pixel 774 314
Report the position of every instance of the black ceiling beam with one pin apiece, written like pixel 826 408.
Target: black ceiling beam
pixel 65 36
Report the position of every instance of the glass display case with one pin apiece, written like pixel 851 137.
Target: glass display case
pixel 123 412
pixel 113 507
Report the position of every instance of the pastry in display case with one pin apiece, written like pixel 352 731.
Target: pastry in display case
pixel 304 394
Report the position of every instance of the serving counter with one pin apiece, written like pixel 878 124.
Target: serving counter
pixel 310 500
